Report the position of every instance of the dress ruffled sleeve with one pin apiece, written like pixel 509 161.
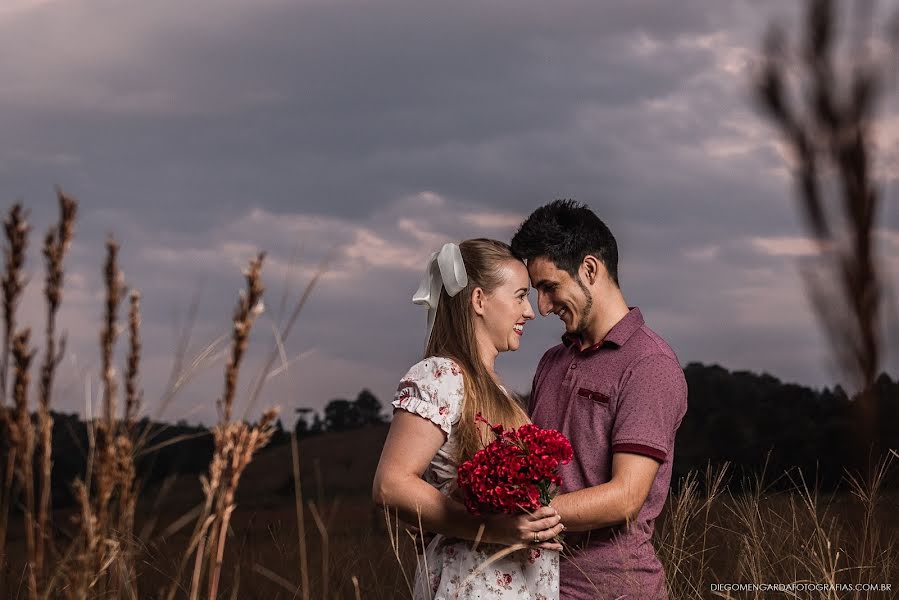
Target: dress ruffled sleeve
pixel 432 389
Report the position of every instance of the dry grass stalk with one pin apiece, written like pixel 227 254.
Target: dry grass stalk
pixel 16 229
pixel 106 459
pixel 22 435
pixel 873 563
pixel 323 532
pixel 282 336
pixel 393 534
pixel 248 308
pixel 106 520
pixel 80 578
pixel 831 138
pixel 133 395
pixel 677 538
pixel 115 291
pixel 301 523
pixel 56 243
pixel 684 536
pixel 356 590
pixel 235 443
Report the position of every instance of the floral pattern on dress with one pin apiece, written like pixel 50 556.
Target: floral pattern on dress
pixel 434 389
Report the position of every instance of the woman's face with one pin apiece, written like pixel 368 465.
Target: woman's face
pixel 507 308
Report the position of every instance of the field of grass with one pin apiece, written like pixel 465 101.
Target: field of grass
pixel 782 537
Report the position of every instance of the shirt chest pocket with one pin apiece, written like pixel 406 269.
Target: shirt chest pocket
pixel 591 413
pixel 598 397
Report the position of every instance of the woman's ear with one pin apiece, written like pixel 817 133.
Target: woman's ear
pixel 478 298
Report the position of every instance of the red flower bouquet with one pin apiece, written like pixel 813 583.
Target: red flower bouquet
pixel 518 471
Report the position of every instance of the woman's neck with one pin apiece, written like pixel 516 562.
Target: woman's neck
pixel 488 354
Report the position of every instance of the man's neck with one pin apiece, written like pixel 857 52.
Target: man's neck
pixel 604 321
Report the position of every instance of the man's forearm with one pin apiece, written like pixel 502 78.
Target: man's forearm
pixel 594 507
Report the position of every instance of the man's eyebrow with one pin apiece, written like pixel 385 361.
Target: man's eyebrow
pixel 542 283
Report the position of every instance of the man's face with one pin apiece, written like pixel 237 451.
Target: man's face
pixel 561 294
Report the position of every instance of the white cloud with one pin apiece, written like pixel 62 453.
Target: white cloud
pixel 785 246
pixel 494 220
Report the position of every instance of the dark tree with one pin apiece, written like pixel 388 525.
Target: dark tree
pixel 317 424
pixel 341 415
pixel 369 408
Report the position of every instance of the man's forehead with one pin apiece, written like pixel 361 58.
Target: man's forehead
pixel 542 264
pixel 541 269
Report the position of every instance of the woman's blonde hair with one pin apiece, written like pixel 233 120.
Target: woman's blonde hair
pixel 453 337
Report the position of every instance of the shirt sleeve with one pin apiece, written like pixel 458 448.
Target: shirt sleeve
pixel 547 356
pixel 651 405
pixel 432 389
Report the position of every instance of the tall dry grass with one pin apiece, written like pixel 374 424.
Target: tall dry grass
pixel 103 554
pixel 16 232
pixel 779 534
pixel 718 526
pixel 822 96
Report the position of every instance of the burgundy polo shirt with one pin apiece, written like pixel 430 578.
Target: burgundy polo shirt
pixel 625 394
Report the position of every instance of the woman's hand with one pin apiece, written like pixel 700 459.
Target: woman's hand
pixel 520 529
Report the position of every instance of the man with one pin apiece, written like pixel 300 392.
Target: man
pixel 617 390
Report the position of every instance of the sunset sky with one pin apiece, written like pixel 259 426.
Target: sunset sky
pixel 200 132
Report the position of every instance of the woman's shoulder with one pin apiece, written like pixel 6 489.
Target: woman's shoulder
pixel 434 368
pixel 433 389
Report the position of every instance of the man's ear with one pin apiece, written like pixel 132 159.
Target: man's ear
pixel 593 268
pixel 477 300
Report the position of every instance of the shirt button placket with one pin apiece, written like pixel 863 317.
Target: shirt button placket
pixel 568 379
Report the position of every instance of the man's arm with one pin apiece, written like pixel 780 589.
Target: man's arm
pixel 650 408
pixel 611 503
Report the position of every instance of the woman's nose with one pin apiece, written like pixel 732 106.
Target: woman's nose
pixel 528 311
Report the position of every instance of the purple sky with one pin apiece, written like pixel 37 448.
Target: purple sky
pixel 200 132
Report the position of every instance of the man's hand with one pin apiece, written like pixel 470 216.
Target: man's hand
pixel 509 530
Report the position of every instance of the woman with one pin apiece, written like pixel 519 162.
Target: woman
pixel 477 296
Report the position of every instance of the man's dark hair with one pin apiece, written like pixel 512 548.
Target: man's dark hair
pixel 565 231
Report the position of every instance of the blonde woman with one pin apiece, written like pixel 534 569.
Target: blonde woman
pixel 477 299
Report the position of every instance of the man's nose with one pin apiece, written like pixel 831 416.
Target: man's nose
pixel 544 304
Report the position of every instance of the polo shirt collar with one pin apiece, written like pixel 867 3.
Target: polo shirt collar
pixel 617 335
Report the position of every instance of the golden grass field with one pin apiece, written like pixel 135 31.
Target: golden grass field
pixel 775 537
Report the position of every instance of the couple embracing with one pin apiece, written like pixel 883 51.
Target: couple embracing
pixel 613 387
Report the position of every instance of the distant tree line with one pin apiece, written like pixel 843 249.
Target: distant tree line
pixel 740 417
pixel 750 419
pixel 341 415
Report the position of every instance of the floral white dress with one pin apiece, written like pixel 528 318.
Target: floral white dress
pixel 433 389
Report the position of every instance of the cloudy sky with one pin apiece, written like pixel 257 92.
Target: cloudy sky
pixel 373 131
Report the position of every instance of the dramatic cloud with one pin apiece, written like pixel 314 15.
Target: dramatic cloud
pixel 365 134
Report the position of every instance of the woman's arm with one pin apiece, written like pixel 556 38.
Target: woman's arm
pixel 411 444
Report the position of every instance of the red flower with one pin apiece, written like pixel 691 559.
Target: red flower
pixel 516 472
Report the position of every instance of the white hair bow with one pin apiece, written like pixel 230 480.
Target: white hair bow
pixel 445 269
